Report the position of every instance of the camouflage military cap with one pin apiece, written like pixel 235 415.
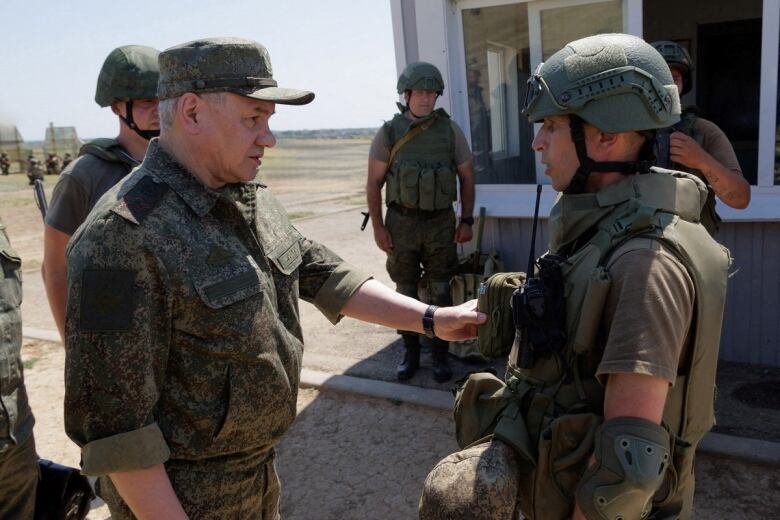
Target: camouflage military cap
pixel 477 483
pixel 223 65
pixel 129 72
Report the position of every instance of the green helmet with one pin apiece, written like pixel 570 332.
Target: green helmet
pixel 129 72
pixel 420 75
pixel 676 54
pixel 616 82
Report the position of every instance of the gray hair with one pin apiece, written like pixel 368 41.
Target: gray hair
pixel 167 107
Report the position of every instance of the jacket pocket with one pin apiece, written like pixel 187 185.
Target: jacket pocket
pixel 11 283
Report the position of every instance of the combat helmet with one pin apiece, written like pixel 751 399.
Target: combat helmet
pixel 676 54
pixel 129 72
pixel 615 82
pixel 420 75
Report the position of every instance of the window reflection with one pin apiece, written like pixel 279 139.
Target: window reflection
pixel 497 68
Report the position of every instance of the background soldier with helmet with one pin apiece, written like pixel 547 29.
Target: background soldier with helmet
pixel 605 401
pixel 66 160
pixel 34 169
pixel 52 164
pixel 5 163
pixel 419 156
pixel 699 146
pixel 128 84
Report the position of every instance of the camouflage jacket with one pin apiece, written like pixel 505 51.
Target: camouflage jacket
pixel 183 336
pixel 16 419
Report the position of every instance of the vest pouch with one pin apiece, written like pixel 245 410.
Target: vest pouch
pixel 592 310
pixel 495 337
pixel 427 189
pixel 409 177
pixel 446 187
pixel 564 448
pixel 465 287
pixel 392 188
pixel 479 402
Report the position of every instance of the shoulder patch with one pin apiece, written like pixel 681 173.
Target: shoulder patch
pixel 141 199
pixel 106 300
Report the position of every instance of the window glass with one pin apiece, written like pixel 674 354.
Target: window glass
pixel 497 68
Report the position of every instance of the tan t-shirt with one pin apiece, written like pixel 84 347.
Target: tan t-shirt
pixel 380 151
pixel 648 312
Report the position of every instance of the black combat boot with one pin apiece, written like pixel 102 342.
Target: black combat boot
pixel 411 361
pixel 439 352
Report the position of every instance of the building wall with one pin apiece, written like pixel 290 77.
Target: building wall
pixel 751 328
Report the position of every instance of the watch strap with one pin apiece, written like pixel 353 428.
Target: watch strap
pixel 427 321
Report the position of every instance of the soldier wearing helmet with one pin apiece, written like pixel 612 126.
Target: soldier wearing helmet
pixel 127 83
pixel 419 155
pixel 602 406
pixel 698 146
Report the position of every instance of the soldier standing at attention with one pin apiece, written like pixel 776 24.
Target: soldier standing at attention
pixel 18 460
pixel 183 340
pixel 604 403
pixel 128 84
pixel 700 147
pixel 419 155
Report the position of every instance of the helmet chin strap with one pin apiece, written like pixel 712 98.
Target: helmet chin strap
pixel 587 166
pixel 146 134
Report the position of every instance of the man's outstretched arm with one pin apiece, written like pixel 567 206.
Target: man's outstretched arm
pixel 376 303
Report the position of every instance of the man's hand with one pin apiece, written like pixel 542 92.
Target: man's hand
pixel 686 151
pixel 383 239
pixel 458 323
pixel 463 233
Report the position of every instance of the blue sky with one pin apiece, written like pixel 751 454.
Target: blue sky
pixel 51 53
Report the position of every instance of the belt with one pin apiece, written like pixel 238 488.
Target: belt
pixel 417 212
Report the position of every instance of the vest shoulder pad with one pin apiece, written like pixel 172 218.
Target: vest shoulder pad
pixel 103 148
pixel 139 201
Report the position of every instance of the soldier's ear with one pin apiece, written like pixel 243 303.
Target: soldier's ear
pixel 188 112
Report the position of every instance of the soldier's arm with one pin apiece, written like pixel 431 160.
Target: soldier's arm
pixel 467 193
pixel 730 186
pixel 377 170
pixel 55 274
pixel 148 493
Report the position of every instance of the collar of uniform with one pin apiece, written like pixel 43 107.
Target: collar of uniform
pixel 198 197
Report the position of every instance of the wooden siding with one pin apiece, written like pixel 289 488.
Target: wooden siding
pixel 751 328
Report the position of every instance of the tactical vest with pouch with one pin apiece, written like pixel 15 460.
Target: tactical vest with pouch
pixel 422 173
pixel 495 337
pixel 557 403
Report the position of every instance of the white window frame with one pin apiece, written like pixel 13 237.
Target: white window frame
pixel 517 200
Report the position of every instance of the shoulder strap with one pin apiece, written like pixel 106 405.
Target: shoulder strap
pixel 415 130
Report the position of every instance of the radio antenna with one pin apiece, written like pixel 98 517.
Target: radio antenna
pixel 529 273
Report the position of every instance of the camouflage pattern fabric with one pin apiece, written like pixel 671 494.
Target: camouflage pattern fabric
pixel 183 337
pixel 18 461
pixel 480 482
pixel 232 65
pixel 129 72
pixel 422 240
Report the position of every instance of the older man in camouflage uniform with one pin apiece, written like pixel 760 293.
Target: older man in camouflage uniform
pixel 18 461
pixel 183 335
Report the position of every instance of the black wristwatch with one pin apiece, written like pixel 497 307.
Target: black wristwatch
pixel 467 220
pixel 428 321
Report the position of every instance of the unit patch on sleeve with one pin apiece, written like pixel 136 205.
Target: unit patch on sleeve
pixel 107 300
